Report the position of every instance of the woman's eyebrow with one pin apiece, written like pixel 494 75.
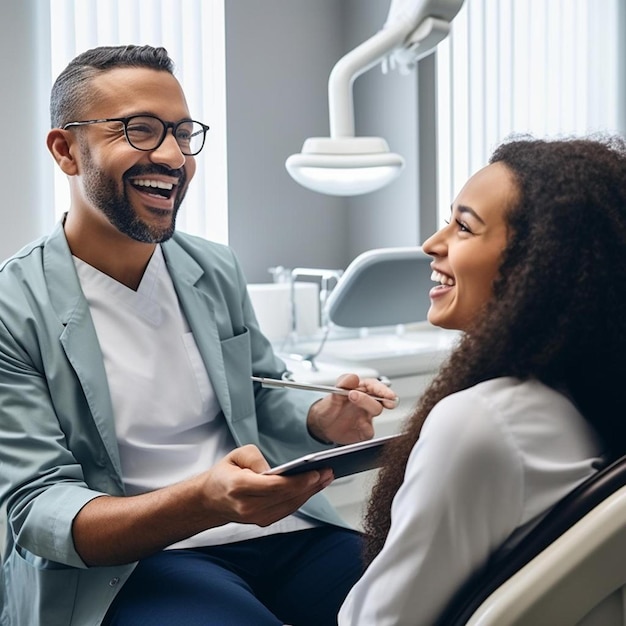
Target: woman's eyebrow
pixel 461 208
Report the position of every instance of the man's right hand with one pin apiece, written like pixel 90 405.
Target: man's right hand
pixel 237 489
pixel 112 530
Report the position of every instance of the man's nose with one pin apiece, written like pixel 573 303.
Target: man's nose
pixel 169 152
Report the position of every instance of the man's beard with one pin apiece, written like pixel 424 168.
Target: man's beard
pixel 102 191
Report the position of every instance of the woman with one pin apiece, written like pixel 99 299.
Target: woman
pixel 532 268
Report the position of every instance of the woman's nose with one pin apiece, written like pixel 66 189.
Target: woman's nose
pixel 434 244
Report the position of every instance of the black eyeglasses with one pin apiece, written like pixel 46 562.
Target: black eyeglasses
pixel 147 132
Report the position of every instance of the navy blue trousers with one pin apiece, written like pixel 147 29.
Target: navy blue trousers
pixel 299 578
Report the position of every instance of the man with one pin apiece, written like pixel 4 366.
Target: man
pixel 132 440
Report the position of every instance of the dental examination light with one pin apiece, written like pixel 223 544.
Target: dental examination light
pixel 345 165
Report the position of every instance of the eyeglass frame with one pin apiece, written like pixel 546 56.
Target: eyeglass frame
pixel 166 127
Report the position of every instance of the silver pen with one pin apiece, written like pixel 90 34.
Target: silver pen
pixel 274 382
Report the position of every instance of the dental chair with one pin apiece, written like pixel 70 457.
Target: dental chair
pixel 382 287
pixel 568 571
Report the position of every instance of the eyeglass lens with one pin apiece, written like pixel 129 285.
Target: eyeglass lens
pixel 147 133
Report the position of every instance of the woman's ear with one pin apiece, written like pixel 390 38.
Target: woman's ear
pixel 61 144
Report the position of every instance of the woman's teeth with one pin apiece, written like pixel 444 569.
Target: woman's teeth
pixel 442 278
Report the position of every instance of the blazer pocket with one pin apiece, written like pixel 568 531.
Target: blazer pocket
pixel 39 595
pixel 237 357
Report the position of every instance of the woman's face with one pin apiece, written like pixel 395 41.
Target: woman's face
pixel 467 251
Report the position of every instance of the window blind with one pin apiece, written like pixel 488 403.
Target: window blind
pixel 193 33
pixel 543 67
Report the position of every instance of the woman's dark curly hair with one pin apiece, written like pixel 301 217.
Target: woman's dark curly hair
pixel 558 311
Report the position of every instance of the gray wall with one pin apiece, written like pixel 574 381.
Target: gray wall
pixel 279 56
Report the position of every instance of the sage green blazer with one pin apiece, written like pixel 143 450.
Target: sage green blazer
pixel 58 447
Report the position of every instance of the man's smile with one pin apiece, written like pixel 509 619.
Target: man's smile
pixel 157 190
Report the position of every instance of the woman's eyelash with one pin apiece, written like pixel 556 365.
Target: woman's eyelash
pixel 463 227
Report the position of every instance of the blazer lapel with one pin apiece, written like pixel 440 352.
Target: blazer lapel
pixel 79 339
pixel 199 308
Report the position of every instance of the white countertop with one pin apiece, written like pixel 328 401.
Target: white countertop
pixel 417 350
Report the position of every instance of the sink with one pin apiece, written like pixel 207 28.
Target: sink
pixel 389 354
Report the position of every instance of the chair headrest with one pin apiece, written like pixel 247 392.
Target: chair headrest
pixel 503 564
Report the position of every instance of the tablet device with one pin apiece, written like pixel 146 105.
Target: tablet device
pixel 343 460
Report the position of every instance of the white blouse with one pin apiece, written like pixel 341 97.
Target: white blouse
pixel 491 460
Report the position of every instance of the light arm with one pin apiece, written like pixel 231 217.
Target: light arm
pixel 343 164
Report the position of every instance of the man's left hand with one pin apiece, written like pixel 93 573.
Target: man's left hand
pixel 348 419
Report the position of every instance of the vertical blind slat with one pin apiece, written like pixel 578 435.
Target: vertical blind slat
pixel 529 67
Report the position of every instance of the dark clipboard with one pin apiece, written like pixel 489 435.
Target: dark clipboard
pixel 343 460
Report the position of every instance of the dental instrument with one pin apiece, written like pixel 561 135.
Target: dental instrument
pixel 274 382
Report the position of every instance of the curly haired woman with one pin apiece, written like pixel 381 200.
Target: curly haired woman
pixel 532 269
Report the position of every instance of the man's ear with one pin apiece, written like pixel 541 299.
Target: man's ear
pixel 62 146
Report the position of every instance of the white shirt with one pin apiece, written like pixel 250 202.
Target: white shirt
pixel 168 422
pixel 491 460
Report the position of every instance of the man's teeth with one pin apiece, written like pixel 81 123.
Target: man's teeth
pixel 442 278
pixel 153 183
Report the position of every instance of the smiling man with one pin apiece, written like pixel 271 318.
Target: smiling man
pixel 128 173
pixel 132 439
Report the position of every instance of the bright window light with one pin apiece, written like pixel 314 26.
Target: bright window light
pixel 546 68
pixel 193 33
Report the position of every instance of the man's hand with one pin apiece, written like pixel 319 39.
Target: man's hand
pixel 348 419
pixel 237 489
pixel 111 530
